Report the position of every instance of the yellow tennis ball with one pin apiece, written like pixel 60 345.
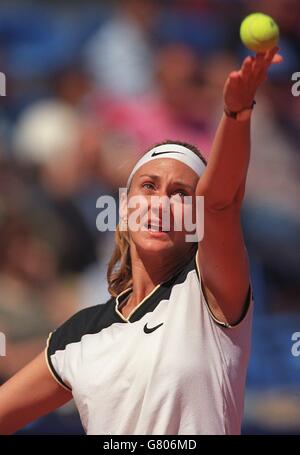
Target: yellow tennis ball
pixel 259 32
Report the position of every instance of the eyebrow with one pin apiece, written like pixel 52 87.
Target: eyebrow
pixel 177 182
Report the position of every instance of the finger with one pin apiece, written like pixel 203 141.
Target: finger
pixel 233 81
pixel 263 76
pixel 270 59
pixel 247 68
pixel 234 77
pixel 263 61
pixel 270 55
pixel 258 63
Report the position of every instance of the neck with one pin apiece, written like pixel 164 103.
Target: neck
pixel 150 270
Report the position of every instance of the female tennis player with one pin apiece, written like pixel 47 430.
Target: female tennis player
pixel 168 353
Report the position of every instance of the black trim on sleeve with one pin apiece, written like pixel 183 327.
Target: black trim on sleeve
pixel 51 367
pixel 246 306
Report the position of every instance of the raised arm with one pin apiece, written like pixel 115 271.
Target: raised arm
pixel 31 393
pixel 222 256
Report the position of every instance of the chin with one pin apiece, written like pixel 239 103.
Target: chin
pixel 156 243
pixel 155 247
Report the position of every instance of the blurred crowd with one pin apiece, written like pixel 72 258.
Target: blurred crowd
pixel 89 87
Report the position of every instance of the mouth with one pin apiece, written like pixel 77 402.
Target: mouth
pixel 158 228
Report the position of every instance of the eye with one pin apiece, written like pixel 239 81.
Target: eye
pixel 180 193
pixel 148 186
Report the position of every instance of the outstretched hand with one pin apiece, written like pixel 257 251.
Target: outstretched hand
pixel 241 86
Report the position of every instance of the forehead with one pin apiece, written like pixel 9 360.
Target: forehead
pixel 169 168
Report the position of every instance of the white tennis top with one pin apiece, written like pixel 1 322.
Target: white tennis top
pixel 169 369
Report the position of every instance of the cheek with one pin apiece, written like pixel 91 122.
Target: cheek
pixel 137 216
pixel 183 216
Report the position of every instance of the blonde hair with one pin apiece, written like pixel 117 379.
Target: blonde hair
pixel 119 272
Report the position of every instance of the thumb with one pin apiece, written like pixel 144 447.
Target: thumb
pixel 277 59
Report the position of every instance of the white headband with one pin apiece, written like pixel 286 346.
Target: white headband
pixel 174 151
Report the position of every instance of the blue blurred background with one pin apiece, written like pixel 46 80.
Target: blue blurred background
pixel 89 87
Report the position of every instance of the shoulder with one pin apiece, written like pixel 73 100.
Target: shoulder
pixel 59 346
pixel 87 321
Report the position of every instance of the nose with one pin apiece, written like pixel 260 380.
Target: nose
pixel 159 211
pixel 159 204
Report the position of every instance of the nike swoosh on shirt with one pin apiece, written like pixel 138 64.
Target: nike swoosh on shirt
pixel 151 329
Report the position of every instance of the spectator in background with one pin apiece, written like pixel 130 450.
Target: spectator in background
pixel 72 84
pixel 52 136
pixel 119 56
pixel 32 295
pixel 48 135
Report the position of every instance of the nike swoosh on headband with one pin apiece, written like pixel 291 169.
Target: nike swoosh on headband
pixel 164 153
